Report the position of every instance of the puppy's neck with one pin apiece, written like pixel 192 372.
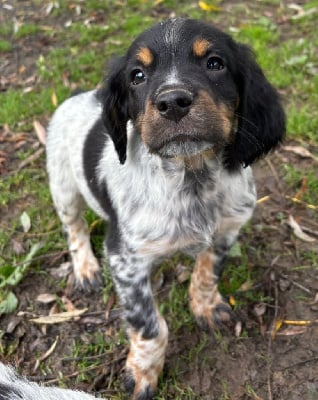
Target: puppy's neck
pixel 196 162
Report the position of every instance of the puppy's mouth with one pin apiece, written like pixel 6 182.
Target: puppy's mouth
pixel 183 145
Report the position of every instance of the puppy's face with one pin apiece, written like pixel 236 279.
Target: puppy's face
pixel 188 89
pixel 182 95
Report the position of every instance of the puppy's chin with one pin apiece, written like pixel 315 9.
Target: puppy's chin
pixel 183 148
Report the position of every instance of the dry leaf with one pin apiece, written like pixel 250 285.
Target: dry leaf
pixel 263 199
pixel 54 99
pixel 62 271
pixel 259 309
pixel 298 232
pixel 17 247
pixel 59 318
pixel 232 300
pixel 46 354
pixel 278 324
pixel 25 222
pixel 46 298
pixel 40 131
pixel 292 330
pixel 300 151
pixel 238 328
pixel 208 7
pixel 68 304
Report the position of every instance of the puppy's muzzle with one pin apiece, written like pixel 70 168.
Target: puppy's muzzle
pixel 174 104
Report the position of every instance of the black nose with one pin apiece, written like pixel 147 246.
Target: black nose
pixel 174 104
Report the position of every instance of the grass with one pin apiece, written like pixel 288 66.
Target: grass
pixel 80 51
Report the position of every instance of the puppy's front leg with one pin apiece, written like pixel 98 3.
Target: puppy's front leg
pixel 147 330
pixel 208 306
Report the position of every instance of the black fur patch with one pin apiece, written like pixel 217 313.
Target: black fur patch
pixel 92 153
pixel 7 392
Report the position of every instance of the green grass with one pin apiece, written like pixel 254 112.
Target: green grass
pixel 5 46
pixel 81 51
pixel 294 178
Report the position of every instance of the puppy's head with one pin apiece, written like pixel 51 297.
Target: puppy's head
pixel 189 88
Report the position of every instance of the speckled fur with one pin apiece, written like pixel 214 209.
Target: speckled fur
pixel 164 182
pixel 14 387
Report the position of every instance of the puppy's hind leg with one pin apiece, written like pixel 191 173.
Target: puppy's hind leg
pixel 69 205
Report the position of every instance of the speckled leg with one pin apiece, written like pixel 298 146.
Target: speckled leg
pixel 69 206
pixel 207 304
pixel 147 330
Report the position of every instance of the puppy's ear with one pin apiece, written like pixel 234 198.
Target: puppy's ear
pixel 260 115
pixel 114 97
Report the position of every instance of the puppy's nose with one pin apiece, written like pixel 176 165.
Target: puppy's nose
pixel 174 104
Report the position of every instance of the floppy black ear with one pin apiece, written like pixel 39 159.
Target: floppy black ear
pixel 114 97
pixel 260 115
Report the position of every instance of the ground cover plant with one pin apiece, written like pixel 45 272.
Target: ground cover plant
pixel 58 336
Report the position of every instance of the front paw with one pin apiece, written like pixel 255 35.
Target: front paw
pixel 211 312
pixel 88 274
pixel 138 387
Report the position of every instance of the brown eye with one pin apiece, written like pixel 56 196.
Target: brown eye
pixel 137 77
pixel 215 63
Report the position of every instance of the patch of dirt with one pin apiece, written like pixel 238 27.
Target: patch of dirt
pixel 276 366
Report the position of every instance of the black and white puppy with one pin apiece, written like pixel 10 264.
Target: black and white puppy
pixel 162 152
pixel 13 387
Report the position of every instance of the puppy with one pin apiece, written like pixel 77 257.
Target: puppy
pixel 162 152
pixel 13 387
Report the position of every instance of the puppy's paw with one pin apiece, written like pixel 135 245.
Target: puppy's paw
pixel 133 388
pixel 211 312
pixel 88 274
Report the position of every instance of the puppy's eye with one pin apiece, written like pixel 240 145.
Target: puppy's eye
pixel 215 63
pixel 137 76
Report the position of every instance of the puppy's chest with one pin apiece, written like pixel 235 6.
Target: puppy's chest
pixel 160 221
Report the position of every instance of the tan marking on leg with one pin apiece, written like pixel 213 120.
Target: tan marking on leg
pixel 201 47
pixel 85 265
pixel 146 358
pixel 204 294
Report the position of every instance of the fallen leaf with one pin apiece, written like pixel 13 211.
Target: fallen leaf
pixel 68 304
pixel 17 247
pixel 46 354
pixel 40 131
pixel 238 328
pixel 46 298
pixel 232 300
pixel 54 99
pixel 25 222
pixel 300 151
pixel 59 317
pixel 298 232
pixel 262 199
pixel 259 309
pixel 292 330
pixel 62 271
pixel 276 327
pixel 208 7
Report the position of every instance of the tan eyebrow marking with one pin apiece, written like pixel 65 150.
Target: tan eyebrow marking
pixel 145 56
pixel 200 47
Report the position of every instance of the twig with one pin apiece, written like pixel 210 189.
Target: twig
pixel 297 364
pixel 31 158
pixel 275 174
pixel 60 253
pixel 296 284
pixel 91 368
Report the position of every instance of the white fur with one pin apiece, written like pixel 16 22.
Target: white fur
pixel 31 391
